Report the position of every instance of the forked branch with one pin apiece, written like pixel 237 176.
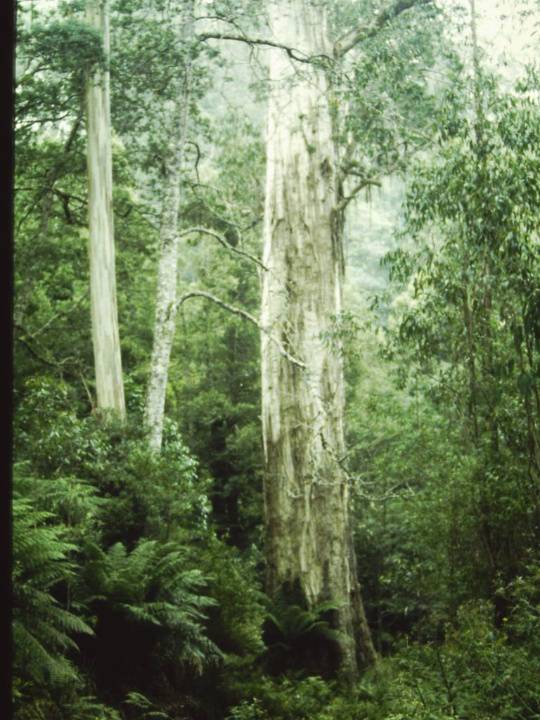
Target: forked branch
pixel 293 53
pixel 366 30
pixel 366 182
pixel 221 240
pixel 244 314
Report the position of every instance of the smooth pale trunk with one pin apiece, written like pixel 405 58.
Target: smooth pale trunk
pixel 105 333
pixel 166 294
pixel 166 298
pixel 308 531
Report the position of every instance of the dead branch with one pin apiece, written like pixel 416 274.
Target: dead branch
pixel 367 182
pixel 221 240
pixel 244 314
pixel 293 53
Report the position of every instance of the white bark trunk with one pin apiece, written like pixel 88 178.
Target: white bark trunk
pixel 105 333
pixel 308 532
pixel 166 296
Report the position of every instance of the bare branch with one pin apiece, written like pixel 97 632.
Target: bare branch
pixel 34 353
pixel 197 157
pixel 230 206
pixel 74 130
pixel 366 182
pixel 244 314
pixel 88 393
pixel 221 240
pixel 366 30
pixel 293 53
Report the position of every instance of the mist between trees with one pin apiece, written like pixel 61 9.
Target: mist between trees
pixel 277 353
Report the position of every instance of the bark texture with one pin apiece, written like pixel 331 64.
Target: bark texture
pixel 166 295
pixel 308 532
pixel 105 332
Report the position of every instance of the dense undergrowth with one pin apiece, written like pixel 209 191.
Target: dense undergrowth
pixel 128 604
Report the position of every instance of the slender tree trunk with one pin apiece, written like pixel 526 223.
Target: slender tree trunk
pixel 105 333
pixel 166 300
pixel 308 530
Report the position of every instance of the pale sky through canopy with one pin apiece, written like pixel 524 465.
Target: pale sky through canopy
pixel 505 35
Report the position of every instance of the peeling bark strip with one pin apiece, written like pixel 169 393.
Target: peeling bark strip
pixel 308 531
pixel 166 305
pixel 105 333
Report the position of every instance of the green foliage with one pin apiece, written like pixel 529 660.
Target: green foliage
pixel 470 324
pixel 42 628
pixel 284 699
pixel 236 620
pixel 145 708
pixel 214 374
pixel 477 672
pixel 48 621
pixel 55 52
pixel 66 46
pixel 385 94
pixel 98 483
pixel 151 587
pixel 301 638
pixel 248 711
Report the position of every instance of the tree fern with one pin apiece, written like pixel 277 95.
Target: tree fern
pixel 42 629
pixel 292 623
pixel 150 586
pixel 144 707
pixel 297 636
pixel 73 501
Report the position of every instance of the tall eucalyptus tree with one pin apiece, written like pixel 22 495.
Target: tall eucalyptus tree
pixel 105 332
pixel 308 535
pixel 166 295
pixel 155 91
pixel 307 490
